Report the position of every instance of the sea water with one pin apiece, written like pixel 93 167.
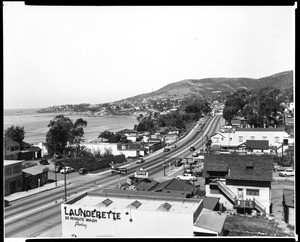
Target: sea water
pixel 35 124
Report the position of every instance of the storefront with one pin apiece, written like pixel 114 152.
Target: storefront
pixel 117 213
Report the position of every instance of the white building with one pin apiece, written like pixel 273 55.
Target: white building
pixel 121 213
pixel 275 136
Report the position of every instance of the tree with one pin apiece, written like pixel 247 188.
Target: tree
pixel 63 132
pixel 16 133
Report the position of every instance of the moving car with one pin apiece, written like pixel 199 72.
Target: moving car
pixel 187 177
pixel 174 146
pixel 67 169
pixel 167 149
pixel 139 161
pixel 192 148
pixel 287 172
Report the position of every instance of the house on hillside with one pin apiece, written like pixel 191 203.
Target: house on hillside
pixel 11 149
pixel 241 182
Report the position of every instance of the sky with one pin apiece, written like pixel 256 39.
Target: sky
pixel 57 55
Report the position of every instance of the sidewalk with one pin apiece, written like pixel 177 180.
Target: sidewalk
pixel 18 195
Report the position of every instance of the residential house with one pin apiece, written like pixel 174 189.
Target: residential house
pixel 241 182
pixel 11 149
pixel 13 181
pixel 30 153
pixel 129 149
pixel 258 146
pixel 289 206
pixel 130 134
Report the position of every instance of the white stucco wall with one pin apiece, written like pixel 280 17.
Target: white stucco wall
pixel 264 196
pixel 143 223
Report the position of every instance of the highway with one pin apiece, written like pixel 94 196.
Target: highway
pixel 39 215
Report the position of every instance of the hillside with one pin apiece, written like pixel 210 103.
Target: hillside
pixel 206 87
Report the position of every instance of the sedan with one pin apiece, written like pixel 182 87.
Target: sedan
pixel 287 172
pixel 66 170
pixel 139 161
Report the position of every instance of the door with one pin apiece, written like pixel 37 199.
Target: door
pixel 12 187
pixel 240 194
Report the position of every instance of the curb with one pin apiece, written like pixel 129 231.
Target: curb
pixel 41 191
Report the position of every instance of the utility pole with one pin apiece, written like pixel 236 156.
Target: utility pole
pixel 164 155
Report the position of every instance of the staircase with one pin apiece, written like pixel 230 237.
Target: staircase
pixel 227 191
pixel 260 207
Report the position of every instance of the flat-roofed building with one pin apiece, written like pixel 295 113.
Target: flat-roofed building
pixel 12 176
pixel 121 213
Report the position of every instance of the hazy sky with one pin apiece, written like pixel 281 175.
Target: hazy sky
pixel 70 55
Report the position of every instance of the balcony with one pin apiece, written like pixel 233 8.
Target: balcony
pixel 244 204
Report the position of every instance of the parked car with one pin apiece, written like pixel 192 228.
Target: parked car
pixel 187 177
pixel 57 169
pixel 287 172
pixel 279 168
pixel 44 162
pixel 67 169
pixel 139 161
pixel 82 170
pixel 178 162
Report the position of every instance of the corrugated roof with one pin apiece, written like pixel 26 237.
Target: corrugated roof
pixel 262 166
pixel 257 144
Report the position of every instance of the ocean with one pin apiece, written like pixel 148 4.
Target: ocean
pixel 35 124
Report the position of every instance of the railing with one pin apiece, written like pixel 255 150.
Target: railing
pixel 244 203
pixel 226 190
pixel 259 207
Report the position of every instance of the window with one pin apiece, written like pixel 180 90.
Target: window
pixel 230 138
pixel 252 192
pixel 12 148
pixel 252 137
pixel 8 171
pixel 276 139
pixel 264 137
pixel 249 168
pixel 240 138
pixel 19 183
pixel 17 169
pixel 16 147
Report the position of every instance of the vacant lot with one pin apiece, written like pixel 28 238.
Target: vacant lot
pixel 243 225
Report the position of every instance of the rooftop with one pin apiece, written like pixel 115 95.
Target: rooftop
pixel 211 220
pixel 145 201
pixel 257 144
pixel 246 167
pixel 11 162
pixel 260 129
pixel 288 196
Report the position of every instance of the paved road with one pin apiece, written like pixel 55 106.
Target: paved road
pixel 39 214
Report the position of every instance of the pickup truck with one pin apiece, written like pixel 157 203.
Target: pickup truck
pixel 187 177
pixel 287 172
pixel 116 170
